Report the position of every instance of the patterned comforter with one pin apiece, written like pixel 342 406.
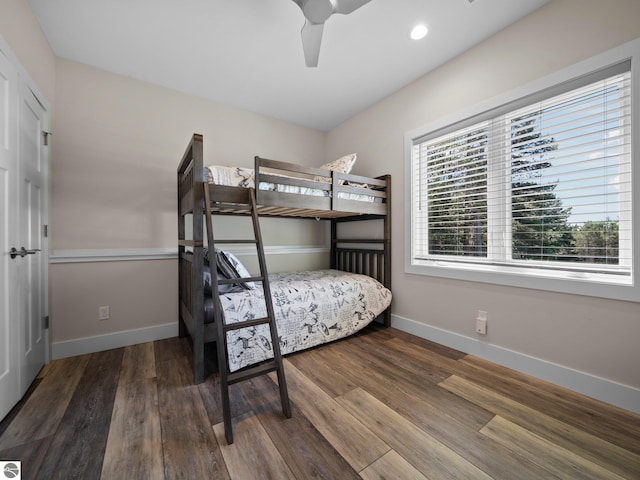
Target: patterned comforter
pixel 311 308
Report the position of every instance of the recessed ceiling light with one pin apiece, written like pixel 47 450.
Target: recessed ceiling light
pixel 418 32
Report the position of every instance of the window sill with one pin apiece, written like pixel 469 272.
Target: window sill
pixel 593 285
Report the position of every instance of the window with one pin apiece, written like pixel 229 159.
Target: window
pixel 535 192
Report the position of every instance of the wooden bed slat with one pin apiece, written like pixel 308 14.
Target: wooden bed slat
pixel 292 200
pixel 262 163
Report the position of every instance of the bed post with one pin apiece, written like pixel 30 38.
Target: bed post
pixel 191 288
pixel 198 258
pixel 182 328
pixel 387 248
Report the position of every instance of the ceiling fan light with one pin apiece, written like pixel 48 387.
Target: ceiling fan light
pixel 418 32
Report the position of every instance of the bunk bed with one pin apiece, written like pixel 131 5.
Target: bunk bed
pixel 281 189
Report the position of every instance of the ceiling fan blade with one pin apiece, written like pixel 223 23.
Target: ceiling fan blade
pixel 311 38
pixel 348 6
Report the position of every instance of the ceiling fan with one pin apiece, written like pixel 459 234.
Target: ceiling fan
pixel 316 12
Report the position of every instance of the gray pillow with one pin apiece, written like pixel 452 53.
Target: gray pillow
pixel 222 289
pixel 228 267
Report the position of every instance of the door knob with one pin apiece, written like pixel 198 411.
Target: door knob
pixel 22 252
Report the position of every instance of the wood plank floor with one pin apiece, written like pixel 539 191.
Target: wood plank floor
pixel 380 404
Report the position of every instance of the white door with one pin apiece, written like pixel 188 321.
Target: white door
pixel 9 332
pixel 31 212
pixel 23 182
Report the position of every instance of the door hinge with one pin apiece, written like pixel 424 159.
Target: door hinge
pixel 45 137
pixel 45 230
pixel 45 322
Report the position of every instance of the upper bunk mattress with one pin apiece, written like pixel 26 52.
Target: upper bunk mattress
pixel 311 308
pixel 245 177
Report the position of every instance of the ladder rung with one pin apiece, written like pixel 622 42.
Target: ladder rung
pixel 262 369
pixel 231 281
pixel 236 207
pixel 245 324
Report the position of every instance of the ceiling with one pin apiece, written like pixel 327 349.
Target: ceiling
pixel 248 53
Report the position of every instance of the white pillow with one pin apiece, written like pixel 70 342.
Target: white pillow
pixel 342 165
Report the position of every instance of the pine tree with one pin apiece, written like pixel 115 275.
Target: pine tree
pixel 457 182
pixel 457 201
pixel 597 242
pixel 539 221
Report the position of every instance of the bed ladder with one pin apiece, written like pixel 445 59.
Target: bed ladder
pixel 228 378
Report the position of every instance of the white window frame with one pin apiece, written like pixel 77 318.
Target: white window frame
pixel 528 277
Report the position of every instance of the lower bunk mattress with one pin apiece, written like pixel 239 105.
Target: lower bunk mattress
pixel 311 308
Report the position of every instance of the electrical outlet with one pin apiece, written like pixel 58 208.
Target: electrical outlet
pixel 481 322
pixel 103 312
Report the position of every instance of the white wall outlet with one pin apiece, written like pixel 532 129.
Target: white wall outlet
pixel 481 322
pixel 103 312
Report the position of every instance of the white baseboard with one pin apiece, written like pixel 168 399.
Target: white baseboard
pixel 99 343
pixel 623 396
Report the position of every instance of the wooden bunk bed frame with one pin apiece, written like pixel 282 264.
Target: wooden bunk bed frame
pixel 368 256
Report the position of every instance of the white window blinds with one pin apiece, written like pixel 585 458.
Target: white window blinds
pixel 452 186
pixel 544 182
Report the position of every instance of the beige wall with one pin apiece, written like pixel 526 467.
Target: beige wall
pixel 140 294
pixel 116 148
pixel 592 335
pixel 20 29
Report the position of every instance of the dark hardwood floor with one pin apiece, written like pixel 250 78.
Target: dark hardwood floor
pixel 381 404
